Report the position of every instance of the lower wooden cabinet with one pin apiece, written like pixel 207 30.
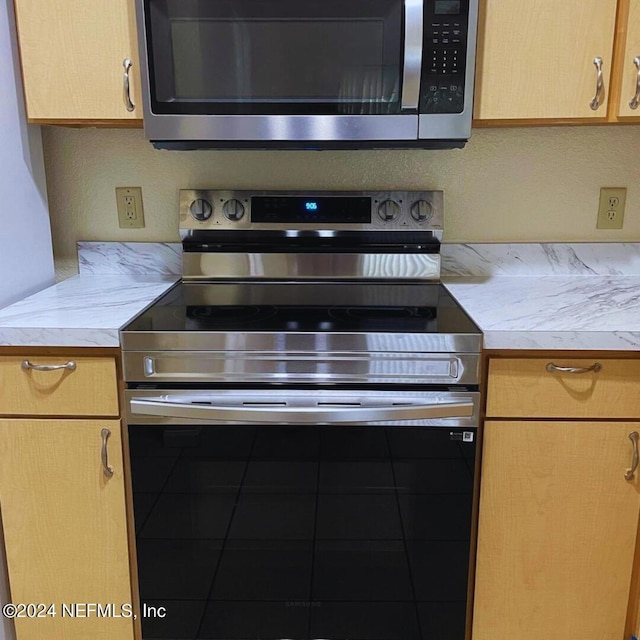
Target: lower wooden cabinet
pixel 64 525
pixel 557 530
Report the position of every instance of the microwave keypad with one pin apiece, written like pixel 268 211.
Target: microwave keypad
pixel 444 61
pixel 444 67
pixel 446 33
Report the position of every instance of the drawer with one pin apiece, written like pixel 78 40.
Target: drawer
pixel 85 387
pixel 537 388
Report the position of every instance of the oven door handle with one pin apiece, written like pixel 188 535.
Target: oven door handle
pixel 278 413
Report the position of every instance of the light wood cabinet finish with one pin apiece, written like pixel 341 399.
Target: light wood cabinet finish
pixel 522 387
pixel 536 58
pixel 557 531
pixel 72 53
pixel 628 70
pixel 64 524
pixel 90 390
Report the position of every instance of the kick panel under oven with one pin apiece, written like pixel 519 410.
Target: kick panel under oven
pixel 303 449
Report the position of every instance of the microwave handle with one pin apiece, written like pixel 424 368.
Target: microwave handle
pixel 413 28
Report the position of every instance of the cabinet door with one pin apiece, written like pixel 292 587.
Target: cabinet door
pixel 535 58
pixel 65 525
pixel 629 69
pixel 72 55
pixel 557 531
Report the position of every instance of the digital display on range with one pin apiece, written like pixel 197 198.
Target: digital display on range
pixel 311 210
pixel 447 7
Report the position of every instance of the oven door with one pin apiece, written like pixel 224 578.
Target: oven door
pixel 353 524
pixel 207 64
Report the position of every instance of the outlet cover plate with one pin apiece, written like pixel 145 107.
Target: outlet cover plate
pixel 130 211
pixel 611 207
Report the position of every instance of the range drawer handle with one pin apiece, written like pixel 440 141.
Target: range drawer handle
pixel 599 97
pixel 70 366
pixel 106 467
pixel 635 101
pixel 554 368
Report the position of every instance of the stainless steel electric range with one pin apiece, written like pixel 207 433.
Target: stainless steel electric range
pixel 302 418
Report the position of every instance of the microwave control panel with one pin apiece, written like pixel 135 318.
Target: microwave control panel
pixel 444 56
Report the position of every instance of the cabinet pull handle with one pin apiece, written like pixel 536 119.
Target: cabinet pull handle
pixel 106 467
pixel 127 64
pixel 554 368
pixel 630 473
pixel 597 99
pixel 26 365
pixel 635 101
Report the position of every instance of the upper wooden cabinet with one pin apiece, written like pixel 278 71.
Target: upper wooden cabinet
pixel 629 32
pixel 72 54
pixel 536 58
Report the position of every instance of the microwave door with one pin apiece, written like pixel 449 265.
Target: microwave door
pixel 283 70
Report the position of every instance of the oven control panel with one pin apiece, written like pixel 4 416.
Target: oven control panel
pixel 306 210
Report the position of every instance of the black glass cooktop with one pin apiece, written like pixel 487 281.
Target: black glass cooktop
pixel 307 307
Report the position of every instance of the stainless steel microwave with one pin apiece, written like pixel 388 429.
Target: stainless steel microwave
pixel 307 73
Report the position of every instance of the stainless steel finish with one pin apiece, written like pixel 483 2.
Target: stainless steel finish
pixel 635 101
pixel 284 128
pixel 106 467
pixel 554 368
pixel 307 266
pixel 420 344
pixel 310 128
pixel 322 406
pixel 412 71
pixel 69 366
pixel 599 97
pixel 630 473
pixel 218 221
pixel 282 413
pixel 201 209
pixel 288 365
pixel 456 126
pixel 127 64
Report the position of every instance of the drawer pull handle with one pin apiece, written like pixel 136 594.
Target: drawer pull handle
pixel 635 101
pixel 630 474
pixel 106 467
pixel 126 89
pixel 599 97
pixel 554 368
pixel 70 366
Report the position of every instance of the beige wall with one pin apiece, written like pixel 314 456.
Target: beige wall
pixel 517 185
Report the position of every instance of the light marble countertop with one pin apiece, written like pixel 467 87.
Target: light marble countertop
pixel 83 311
pixel 553 312
pixel 522 296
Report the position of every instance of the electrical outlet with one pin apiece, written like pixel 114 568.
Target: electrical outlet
pixel 611 208
pixel 130 211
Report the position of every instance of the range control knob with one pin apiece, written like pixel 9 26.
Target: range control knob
pixel 388 209
pixel 233 210
pixel 422 211
pixel 201 209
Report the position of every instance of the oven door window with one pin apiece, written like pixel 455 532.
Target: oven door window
pixel 278 57
pixel 270 532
